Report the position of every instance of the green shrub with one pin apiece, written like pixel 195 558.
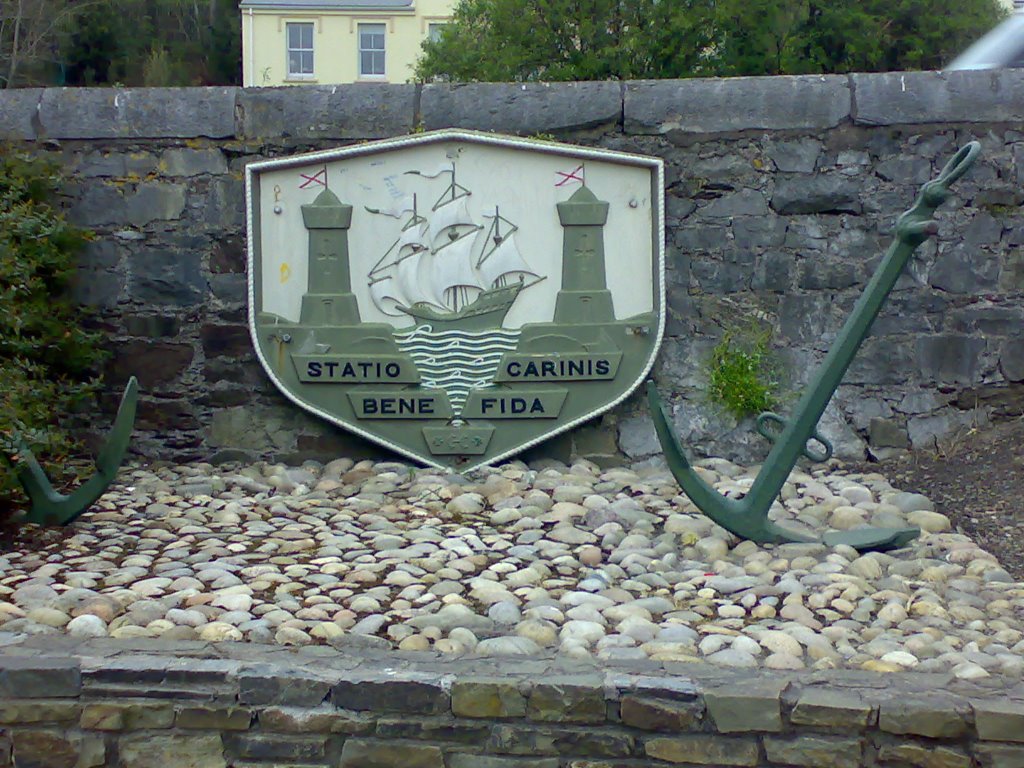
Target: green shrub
pixel 741 372
pixel 46 358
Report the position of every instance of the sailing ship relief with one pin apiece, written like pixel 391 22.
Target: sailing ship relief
pixel 456 296
pixel 449 271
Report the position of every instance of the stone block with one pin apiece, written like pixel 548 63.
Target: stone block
pixel 1011 359
pixel 192 162
pixel 743 202
pixel 914 98
pixel 214 718
pixel 223 209
pixel 448 729
pixel 18 113
pixel 229 289
pixel 152 326
pixel 107 716
pixel 935 718
pixel 887 433
pixel 700 106
pixel 44 749
pixel 162 415
pixel 460 760
pixel 425 696
pixel 923 755
pixel 14 712
pixel 999 720
pixel 153 201
pixel 262 686
pixel 226 340
pixel 327 112
pixel 319 720
pixel 999 756
pixel 754 707
pixel 563 701
pixel 535 740
pixel 832 709
pixel 97 288
pixel 144 750
pixel 371 753
pixel 796 156
pixel 521 108
pixel 821 193
pixel 155 364
pixel 39 678
pixel 963 269
pixel 815 751
pixel 136 113
pixel 167 277
pixel 704 749
pixel 274 747
pixel 950 358
pixel 497 698
pixel 660 715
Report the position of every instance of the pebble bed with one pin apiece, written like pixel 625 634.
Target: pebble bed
pixel 518 560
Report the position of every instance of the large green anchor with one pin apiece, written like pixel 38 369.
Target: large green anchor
pixel 48 507
pixel 748 517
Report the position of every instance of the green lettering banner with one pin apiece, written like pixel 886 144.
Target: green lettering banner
pixel 400 404
pixel 558 367
pixel 514 404
pixel 352 369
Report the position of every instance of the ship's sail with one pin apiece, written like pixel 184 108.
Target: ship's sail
pixel 504 264
pixel 451 220
pixel 454 273
pixel 387 296
pixel 446 260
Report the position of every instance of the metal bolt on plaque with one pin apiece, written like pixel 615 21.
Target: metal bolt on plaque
pixel 748 517
pixel 457 296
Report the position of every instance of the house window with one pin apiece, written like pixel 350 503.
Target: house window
pixel 300 49
pixel 434 32
pixel 371 50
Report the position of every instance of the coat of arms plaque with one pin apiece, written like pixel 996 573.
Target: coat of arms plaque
pixel 456 296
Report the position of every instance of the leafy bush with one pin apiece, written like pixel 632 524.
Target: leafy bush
pixel 46 357
pixel 741 372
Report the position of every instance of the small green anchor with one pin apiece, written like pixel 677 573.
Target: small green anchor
pixel 52 508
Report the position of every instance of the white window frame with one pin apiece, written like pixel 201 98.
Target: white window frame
pixel 300 50
pixel 360 28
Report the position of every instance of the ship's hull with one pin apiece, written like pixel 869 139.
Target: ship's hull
pixel 486 312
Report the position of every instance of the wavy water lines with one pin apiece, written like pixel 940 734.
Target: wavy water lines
pixel 456 361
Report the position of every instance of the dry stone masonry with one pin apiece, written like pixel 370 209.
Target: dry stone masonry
pixel 192 705
pixel 781 195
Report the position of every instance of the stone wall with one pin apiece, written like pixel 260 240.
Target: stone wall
pixel 781 195
pixel 194 705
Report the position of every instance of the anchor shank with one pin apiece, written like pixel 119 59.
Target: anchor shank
pixel 800 427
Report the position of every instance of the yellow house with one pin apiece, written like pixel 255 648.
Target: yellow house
pixel 298 42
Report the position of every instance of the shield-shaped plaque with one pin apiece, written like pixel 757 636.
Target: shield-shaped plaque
pixel 456 296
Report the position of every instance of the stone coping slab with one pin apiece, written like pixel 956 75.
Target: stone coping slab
pixel 357 111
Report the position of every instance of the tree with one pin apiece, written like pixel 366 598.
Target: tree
pixel 156 43
pixel 517 40
pixel 520 40
pixel 29 34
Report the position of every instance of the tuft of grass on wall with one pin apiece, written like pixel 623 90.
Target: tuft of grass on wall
pixel 741 372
